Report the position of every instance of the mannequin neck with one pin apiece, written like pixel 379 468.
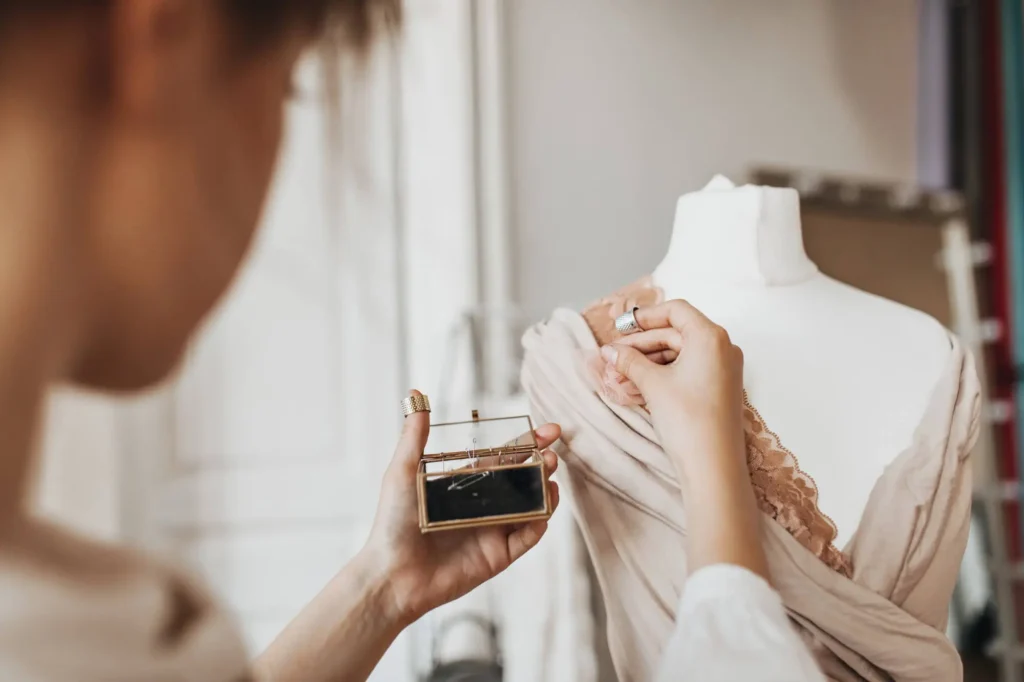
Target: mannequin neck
pixel 735 236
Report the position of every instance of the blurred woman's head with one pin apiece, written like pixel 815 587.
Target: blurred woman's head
pixel 153 126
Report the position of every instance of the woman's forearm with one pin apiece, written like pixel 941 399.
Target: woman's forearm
pixel 341 635
pixel 723 523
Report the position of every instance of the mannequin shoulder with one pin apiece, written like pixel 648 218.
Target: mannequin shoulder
pixel 910 334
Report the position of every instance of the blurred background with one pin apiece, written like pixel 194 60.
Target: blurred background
pixel 518 155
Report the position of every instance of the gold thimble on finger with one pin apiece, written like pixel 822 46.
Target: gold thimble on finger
pixel 415 403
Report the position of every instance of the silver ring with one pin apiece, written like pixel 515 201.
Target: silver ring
pixel 415 403
pixel 626 322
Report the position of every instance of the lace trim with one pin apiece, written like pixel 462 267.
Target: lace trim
pixel 782 489
pixel 787 493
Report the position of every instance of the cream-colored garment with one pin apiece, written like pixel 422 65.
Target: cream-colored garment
pixel 886 622
pixel 74 611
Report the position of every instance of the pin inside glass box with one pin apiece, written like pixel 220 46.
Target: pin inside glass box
pixel 482 472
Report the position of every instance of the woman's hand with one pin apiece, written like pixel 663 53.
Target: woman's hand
pixel 691 378
pixel 398 576
pixel 424 571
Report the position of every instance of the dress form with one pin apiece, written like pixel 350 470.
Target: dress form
pixel 842 376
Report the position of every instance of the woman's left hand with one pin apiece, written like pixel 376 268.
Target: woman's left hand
pixel 424 571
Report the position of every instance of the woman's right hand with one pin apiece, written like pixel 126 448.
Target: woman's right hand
pixel 691 378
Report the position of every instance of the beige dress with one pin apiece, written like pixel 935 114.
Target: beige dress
pixel 876 610
pixel 75 611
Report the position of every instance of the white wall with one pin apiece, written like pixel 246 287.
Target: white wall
pixel 618 107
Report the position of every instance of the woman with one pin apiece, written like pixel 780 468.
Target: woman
pixel 137 141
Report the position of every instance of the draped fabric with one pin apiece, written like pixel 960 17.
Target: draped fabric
pixel 884 622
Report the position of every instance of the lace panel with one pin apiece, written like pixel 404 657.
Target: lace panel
pixel 787 494
pixel 782 490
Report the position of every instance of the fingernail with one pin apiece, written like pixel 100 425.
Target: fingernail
pixel 609 354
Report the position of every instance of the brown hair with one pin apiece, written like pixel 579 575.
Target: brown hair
pixel 353 23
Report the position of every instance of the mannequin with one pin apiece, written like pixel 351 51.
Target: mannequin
pixel 842 376
pixel 877 402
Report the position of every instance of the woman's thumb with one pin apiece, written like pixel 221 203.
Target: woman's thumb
pixel 415 430
pixel 630 363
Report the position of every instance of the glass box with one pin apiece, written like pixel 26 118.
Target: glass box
pixel 482 472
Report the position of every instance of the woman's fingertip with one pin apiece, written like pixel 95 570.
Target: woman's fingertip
pixel 551 431
pixel 534 532
pixel 610 354
pixel 550 458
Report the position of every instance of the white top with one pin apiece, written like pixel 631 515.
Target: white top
pixel 731 626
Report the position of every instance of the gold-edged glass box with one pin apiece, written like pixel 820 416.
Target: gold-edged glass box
pixel 482 472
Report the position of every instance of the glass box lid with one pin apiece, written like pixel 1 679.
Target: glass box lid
pixel 499 441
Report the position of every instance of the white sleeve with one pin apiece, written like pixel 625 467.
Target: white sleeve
pixel 731 625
